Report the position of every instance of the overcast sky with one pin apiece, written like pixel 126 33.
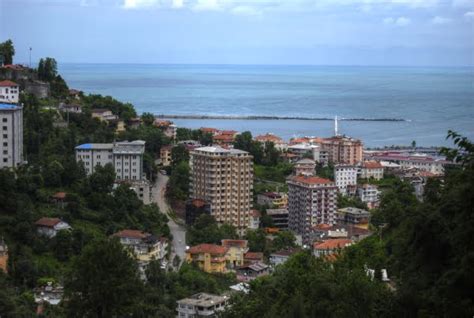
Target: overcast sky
pixel 354 32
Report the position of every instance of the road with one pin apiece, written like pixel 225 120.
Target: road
pixel 177 230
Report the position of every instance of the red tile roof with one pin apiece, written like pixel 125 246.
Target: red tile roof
pixel 332 244
pixel 372 165
pixel 59 195
pixel 257 256
pixel 198 203
pixel 209 130
pixel 234 243
pixel 7 83
pixel 311 180
pixel 269 137
pixel 224 138
pixel 228 132
pixel 47 222
pixel 207 248
pixel 135 234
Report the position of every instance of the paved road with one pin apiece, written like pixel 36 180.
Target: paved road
pixel 178 231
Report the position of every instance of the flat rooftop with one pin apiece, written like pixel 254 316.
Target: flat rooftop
pixel 95 146
pixel 220 150
pixel 5 106
pixel 203 300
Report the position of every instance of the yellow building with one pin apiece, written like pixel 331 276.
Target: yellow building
pixel 208 257
pixel 235 252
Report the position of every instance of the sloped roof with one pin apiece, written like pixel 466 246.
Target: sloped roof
pixel 135 234
pixel 332 244
pixel 207 248
pixel 47 222
pixel 7 83
pixel 311 180
pixel 234 243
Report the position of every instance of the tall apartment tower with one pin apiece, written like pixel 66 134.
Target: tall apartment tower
pixel 11 135
pixel 126 157
pixel 311 201
pixel 342 149
pixel 224 178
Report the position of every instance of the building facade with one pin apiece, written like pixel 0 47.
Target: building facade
pixel 369 194
pixel 311 201
pixel 345 176
pixel 201 305
pixel 224 178
pixel 273 199
pixel 210 258
pixel 371 169
pixel 11 135
pixel 49 227
pixel 9 92
pixel 343 149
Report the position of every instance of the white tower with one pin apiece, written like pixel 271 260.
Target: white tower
pixel 336 132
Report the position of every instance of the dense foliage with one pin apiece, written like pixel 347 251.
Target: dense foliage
pixel 7 51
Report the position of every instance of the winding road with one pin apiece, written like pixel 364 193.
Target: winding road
pixel 178 231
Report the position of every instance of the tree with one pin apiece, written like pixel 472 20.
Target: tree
pixel 102 180
pixel 179 154
pixel 178 184
pixel 283 240
pixel 47 69
pixel 148 119
pixel 7 51
pixel 103 282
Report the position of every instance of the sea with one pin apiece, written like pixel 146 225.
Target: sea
pixel 427 101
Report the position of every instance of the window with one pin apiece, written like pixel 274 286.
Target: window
pixel 5 136
pixel 5 144
pixel 5 152
pixel 4 127
pixel 4 120
pixel 5 159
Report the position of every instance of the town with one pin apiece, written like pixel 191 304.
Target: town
pixel 221 201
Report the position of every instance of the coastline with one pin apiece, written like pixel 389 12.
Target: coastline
pixel 265 117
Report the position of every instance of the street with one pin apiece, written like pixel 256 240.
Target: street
pixel 178 231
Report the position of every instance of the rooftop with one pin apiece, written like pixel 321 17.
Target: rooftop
pixel 234 243
pixel 253 256
pixel 353 210
pixel 203 300
pixel 372 165
pixel 207 248
pixel 269 137
pixel 218 149
pixel 286 252
pixel 94 146
pixel 7 83
pixel 332 244
pixel 311 180
pixel 129 147
pixel 305 162
pixel 47 222
pixel 276 211
pixel 135 234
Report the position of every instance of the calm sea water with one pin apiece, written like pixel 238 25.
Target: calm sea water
pixel 432 100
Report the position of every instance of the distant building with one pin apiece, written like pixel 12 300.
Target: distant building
pixel 407 161
pixel 303 150
pixel 9 92
pixel 252 271
pixel 126 157
pixel 342 149
pixel 235 251
pixel 369 194
pixel 168 128
pixel 224 178
pixel 49 227
pixel 201 305
pixel 355 216
pixel 165 155
pixel 142 189
pixel 253 257
pixel 345 176
pixel 323 232
pixel 103 115
pixel 144 246
pixel 225 138
pixel 254 219
pixel 11 135
pixel 3 255
pixel 190 144
pixel 74 93
pixel 50 294
pixel 277 141
pixel 70 108
pixel 280 257
pixel 210 258
pixel 279 217
pixel 207 130
pixel 305 167
pixel 195 208
pixel 273 199
pixel 329 247
pixel 120 127
pixel 371 169
pixel 311 201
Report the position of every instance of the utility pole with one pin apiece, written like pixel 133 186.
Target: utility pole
pixel 30 55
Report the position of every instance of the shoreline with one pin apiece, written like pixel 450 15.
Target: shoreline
pixel 264 117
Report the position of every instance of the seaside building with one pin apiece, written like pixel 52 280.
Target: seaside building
pixel 224 178
pixel 126 157
pixel 201 305
pixel 11 135
pixel 103 115
pixel 311 201
pixel 304 150
pixel 345 177
pixel 408 161
pixel 9 92
pixel 342 149
pixel 168 128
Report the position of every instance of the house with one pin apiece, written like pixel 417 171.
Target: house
pixel 330 246
pixel 210 258
pixel 120 127
pixel 207 130
pixel 190 144
pixel 49 227
pixel 252 271
pixel 103 114
pixel 253 257
pixel 277 141
pixel 134 122
pixel 254 219
pixel 371 169
pixel 145 246
pixel 165 155
pixel 3 255
pixel 224 140
pixel 70 108
pixel 51 294
pixel 195 208
pixel 74 93
pixel 355 216
pixel 305 167
pixel 59 198
pixel 273 199
pixel 201 305
pixel 323 232
pixel 9 92
pixel 280 257
pixel 369 194
pixel 235 251
pixel 168 128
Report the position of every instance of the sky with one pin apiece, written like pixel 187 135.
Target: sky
pixel 319 32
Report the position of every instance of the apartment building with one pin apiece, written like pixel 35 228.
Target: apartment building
pixel 201 305
pixel 305 167
pixel 345 176
pixel 371 169
pixel 311 201
pixel 11 135
pixel 273 199
pixel 9 92
pixel 342 149
pixel 224 178
pixel 126 157
pixel 277 141
pixel 369 194
pixel 210 258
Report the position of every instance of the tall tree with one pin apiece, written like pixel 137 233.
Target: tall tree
pixel 7 50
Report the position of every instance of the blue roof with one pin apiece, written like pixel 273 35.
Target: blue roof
pixel 8 106
pixel 84 146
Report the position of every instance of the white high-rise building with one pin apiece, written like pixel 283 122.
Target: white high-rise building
pixel 345 176
pixel 224 178
pixel 11 135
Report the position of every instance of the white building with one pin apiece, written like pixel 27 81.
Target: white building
pixel 9 92
pixel 370 194
pixel 371 169
pixel 345 176
pixel 201 305
pixel 306 167
pixel 49 227
pixel 11 135
pixel 126 157
pixel 254 220
pixel 280 257
pixel 315 151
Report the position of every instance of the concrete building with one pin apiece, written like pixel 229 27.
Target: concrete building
pixel 280 257
pixel 201 305
pixel 306 149
pixel 70 108
pixel 342 149
pixel 165 155
pixel 49 227
pixel 273 199
pixel 311 201
pixel 345 176
pixel 279 217
pixel 9 92
pixel 145 247
pixel 11 135
pixel 371 169
pixel 355 216
pixel 252 271
pixel 103 115
pixel 236 250
pixel 224 178
pixel 305 167
pixel 210 258
pixel 329 247
pixel 277 141
pixel 369 194
pixel 126 157
pixel 255 220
